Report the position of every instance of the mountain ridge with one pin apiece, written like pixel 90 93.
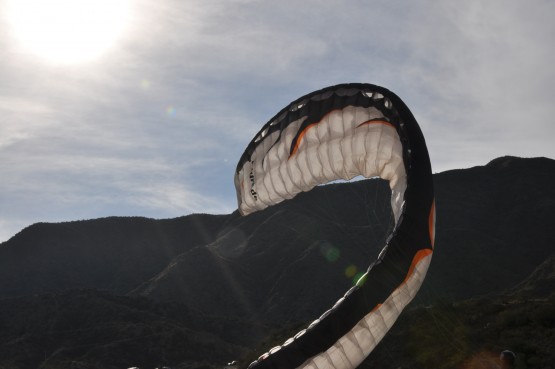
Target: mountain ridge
pixel 239 281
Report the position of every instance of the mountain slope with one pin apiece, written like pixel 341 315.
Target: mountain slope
pixel 297 251
pixel 92 329
pixel 473 332
pixel 539 284
pixel 494 226
pixel 116 254
pixel 239 278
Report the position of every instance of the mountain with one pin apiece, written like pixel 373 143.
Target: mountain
pixel 494 226
pixel 539 284
pixel 116 254
pixel 249 282
pixel 471 333
pixel 95 329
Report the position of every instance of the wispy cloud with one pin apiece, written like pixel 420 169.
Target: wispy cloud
pixel 156 126
pixel 478 75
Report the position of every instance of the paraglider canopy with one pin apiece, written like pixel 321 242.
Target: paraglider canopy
pixel 342 132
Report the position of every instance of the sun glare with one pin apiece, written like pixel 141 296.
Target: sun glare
pixel 68 31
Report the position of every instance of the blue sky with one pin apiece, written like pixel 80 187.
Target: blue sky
pixel 155 124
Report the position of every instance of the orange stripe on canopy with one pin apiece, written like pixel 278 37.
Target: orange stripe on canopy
pixel 301 135
pixel 303 132
pixel 421 254
pixel 432 223
pixel 376 122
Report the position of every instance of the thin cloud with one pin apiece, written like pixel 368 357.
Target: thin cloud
pixel 156 126
pixel 477 75
pixel 176 198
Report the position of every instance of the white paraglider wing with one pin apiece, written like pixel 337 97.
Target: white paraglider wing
pixel 342 132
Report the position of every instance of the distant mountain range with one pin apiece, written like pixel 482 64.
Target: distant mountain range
pixel 199 290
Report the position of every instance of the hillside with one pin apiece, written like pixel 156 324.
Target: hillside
pixel 494 226
pixel 471 333
pixel 98 292
pixel 116 254
pixel 93 329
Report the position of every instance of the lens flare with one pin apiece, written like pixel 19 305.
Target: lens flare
pixel 351 271
pixel 170 111
pixel 330 252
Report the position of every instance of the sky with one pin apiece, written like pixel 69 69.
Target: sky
pixel 147 112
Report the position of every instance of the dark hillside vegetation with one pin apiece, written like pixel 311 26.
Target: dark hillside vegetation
pixel 465 333
pixel 115 254
pixel 92 329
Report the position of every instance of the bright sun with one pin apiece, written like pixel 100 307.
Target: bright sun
pixel 68 31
